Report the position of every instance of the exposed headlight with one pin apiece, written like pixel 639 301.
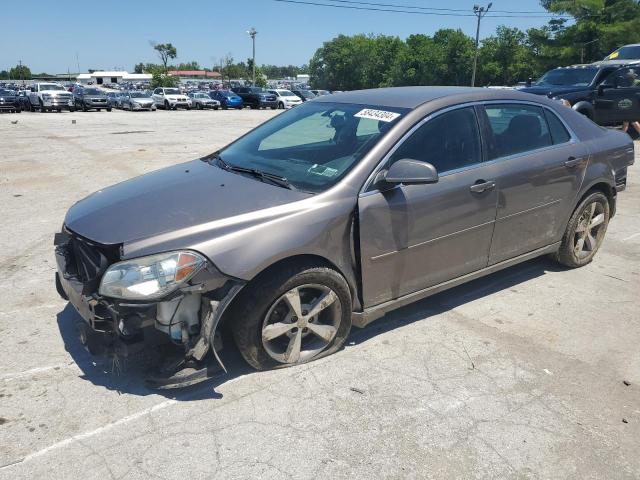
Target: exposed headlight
pixel 150 277
pixel 563 101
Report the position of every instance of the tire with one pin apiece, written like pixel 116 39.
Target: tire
pixel 578 248
pixel 166 105
pixel 215 107
pixel 252 313
pixel 281 106
pixel 31 107
pixel 275 107
pixel 108 109
pixel 42 107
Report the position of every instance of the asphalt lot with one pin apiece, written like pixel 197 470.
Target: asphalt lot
pixel 517 375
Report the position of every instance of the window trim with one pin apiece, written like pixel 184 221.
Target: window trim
pixel 367 187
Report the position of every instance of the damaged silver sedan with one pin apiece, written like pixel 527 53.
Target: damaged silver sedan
pixel 331 215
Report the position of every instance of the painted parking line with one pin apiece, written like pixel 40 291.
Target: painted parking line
pixel 108 426
pixel 631 236
pixel 35 371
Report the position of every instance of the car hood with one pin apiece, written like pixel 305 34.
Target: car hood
pixel 552 91
pixel 142 100
pixel 96 97
pixel 173 201
pixel 175 97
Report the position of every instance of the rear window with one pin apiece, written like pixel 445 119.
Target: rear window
pixel 516 128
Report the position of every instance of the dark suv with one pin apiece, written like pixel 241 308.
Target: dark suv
pixel 608 93
pixel 256 97
pixel 87 98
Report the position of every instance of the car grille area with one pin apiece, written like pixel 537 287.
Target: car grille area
pixel 85 261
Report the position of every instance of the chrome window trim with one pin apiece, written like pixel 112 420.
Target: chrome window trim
pixel 364 191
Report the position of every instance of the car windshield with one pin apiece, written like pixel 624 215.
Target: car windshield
pixel 227 93
pixel 314 145
pixel 171 91
pixel 257 90
pixel 286 93
pixel 6 92
pixel 51 87
pixel 306 94
pixel 201 95
pixel 631 52
pixel 92 91
pixel 568 77
pixel 138 95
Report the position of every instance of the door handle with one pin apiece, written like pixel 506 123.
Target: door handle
pixel 573 162
pixel 482 186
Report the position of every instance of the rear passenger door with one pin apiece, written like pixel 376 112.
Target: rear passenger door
pixel 541 168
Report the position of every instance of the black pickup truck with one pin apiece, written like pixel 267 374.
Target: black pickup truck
pixel 256 97
pixel 607 92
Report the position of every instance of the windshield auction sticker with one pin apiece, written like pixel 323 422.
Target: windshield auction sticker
pixel 381 115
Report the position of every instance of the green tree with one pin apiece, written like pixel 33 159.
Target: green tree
pixel 505 58
pixel 416 64
pixel 139 68
pixel 160 79
pixel 193 65
pixel 165 52
pixel 20 72
pixel 4 75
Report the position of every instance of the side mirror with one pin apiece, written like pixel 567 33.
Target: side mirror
pixel 409 172
pixel 604 86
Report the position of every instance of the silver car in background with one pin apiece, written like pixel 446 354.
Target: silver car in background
pixel 200 100
pixel 332 214
pixel 137 100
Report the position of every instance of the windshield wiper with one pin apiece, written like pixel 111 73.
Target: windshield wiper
pixel 273 178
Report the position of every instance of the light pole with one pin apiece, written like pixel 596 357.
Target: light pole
pixel 252 33
pixel 479 12
pixel 582 48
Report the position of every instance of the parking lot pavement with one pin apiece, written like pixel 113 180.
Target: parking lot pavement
pixel 517 375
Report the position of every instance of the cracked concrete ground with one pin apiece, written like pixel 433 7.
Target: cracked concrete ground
pixel 517 375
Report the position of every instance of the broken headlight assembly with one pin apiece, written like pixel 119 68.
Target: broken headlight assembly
pixel 151 277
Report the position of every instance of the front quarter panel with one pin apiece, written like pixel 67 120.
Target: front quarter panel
pixel 245 245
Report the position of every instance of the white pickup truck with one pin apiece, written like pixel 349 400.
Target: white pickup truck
pixel 50 96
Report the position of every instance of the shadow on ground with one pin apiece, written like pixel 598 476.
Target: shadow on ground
pixel 130 379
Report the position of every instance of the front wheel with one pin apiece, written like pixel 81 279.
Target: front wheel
pixel 108 109
pixel 585 231
pixel 300 315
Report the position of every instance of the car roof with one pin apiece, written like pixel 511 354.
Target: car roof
pixel 412 97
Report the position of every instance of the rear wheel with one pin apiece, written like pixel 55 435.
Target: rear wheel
pixel 281 106
pixel 300 315
pixel 585 231
pixel 166 105
pixel 108 109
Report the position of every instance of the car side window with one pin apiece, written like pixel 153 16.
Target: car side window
pixel 448 142
pixel 557 130
pixel 515 128
pixel 627 77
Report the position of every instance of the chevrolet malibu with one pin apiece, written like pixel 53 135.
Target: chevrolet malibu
pixel 331 215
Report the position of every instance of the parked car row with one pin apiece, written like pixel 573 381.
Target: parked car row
pixel 45 97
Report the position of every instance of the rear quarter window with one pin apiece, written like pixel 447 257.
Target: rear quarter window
pixel 559 133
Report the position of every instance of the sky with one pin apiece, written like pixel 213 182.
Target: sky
pixel 117 34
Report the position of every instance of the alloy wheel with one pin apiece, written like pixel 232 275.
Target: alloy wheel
pixel 590 230
pixel 301 323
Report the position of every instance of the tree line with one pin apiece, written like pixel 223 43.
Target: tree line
pixel 508 56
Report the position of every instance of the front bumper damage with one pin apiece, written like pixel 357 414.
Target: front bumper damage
pixel 182 325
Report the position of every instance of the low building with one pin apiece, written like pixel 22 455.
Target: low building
pixel 195 74
pixel 106 77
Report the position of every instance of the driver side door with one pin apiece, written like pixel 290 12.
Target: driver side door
pixel 618 99
pixel 416 236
